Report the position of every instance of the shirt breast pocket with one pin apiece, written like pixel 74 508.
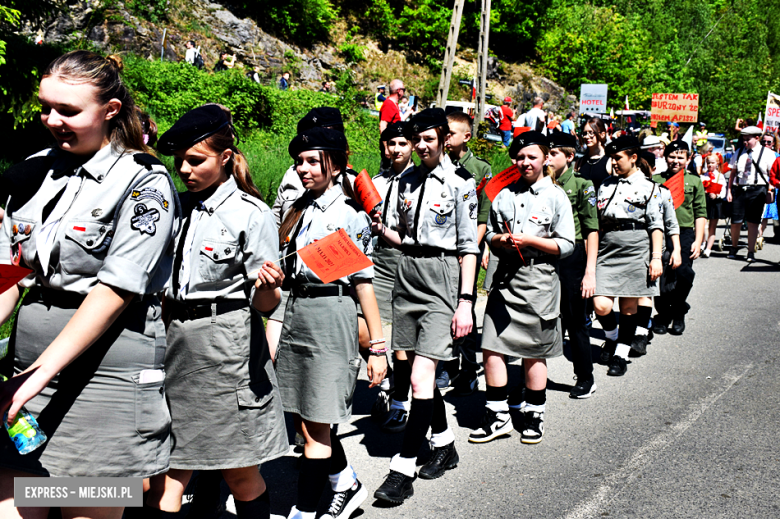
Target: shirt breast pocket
pixel 217 258
pixel 441 218
pixel 540 224
pixel 21 230
pixel 85 247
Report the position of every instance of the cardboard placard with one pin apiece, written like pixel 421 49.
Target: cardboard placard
pixel 11 275
pixel 366 192
pixel 681 108
pixel 593 98
pixel 676 184
pixel 772 116
pixel 509 176
pixel 334 257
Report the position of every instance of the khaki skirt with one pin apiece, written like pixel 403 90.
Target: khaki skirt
pixel 622 265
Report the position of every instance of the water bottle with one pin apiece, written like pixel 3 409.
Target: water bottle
pixel 24 431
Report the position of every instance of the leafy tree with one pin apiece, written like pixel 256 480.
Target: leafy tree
pixel 301 21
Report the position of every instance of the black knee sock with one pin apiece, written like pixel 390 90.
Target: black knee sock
pixel 258 508
pixel 534 397
pixel 439 417
pixel 146 512
pixel 627 329
pixel 403 380
pixel 311 482
pixel 496 393
pixel 608 322
pixel 338 458
pixel 420 416
pixel 643 314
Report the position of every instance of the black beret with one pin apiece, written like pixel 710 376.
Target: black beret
pixel 194 126
pixel 527 139
pixel 649 157
pixel 677 145
pixel 563 140
pixel 627 142
pixel 425 120
pixel 318 139
pixel 321 117
pixel 392 131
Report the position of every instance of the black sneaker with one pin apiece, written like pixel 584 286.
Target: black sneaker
pixel 517 397
pixel 396 488
pixel 442 460
pixel 639 344
pixel 660 325
pixel 678 326
pixel 583 389
pixel 493 426
pixel 443 381
pixel 346 502
pixel 732 253
pixel 607 350
pixel 381 406
pixel 533 427
pixel 465 384
pixel 396 421
pixel 751 257
pixel 618 366
pixel 207 498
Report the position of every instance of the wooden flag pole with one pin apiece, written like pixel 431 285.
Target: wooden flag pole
pixel 449 55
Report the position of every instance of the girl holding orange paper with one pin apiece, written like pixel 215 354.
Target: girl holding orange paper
pixel 433 294
pixel 317 360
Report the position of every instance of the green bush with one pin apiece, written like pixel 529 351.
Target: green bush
pixel 353 52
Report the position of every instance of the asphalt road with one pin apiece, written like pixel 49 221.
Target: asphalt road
pixel 690 431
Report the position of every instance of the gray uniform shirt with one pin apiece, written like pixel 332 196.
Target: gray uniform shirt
pixel 448 208
pixel 132 252
pixel 541 210
pixel 635 198
pixel 235 234
pixel 323 216
pixel 666 206
pixel 291 189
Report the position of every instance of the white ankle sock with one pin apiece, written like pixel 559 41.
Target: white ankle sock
pixel 622 351
pixel 343 480
pixel 612 335
pixel 498 406
pixel 641 330
pixel 538 408
pixel 405 466
pixel 443 438
pixel 395 404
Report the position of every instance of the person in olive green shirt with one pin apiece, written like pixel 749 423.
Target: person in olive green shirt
pixel 461 155
pixel 578 271
pixel 671 305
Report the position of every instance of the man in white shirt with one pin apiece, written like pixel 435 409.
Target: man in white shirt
pixel 536 117
pixel 748 187
pixel 191 53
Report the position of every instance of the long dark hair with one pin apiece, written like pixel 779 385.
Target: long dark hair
pixel 330 161
pixel 82 66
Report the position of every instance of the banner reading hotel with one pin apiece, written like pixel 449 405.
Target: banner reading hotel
pixel 671 108
pixel 593 98
pixel 772 116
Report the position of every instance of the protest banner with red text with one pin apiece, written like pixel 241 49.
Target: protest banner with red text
pixel 671 108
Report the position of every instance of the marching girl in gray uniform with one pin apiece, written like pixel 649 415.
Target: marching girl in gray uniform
pixel 385 265
pixel 216 342
pixel 532 218
pixel 644 332
pixel 433 294
pixel 88 343
pixel 629 262
pixel 317 361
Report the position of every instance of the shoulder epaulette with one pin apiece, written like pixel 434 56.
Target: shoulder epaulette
pixel 257 202
pixel 482 160
pixel 146 160
pixel 351 203
pixel 463 173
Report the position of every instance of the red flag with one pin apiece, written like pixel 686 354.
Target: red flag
pixel 509 176
pixel 760 123
pixel 334 257
pixel 366 192
pixel 11 275
pixel 482 184
pixel 676 185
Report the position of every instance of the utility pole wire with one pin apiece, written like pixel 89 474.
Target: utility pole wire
pixel 707 36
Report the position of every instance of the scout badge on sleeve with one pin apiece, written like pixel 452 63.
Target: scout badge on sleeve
pixel 11 275
pixel 507 177
pixel 334 257
pixel 676 184
pixel 366 193
pixel 144 219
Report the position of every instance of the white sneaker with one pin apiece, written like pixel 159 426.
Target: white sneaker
pixel 493 425
pixel 706 253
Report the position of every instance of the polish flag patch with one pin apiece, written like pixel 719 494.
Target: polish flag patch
pixel 80 229
pixel 208 249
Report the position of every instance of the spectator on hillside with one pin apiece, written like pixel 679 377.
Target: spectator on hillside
pixel 505 124
pixel 379 98
pixel 389 114
pixel 567 126
pixel 284 81
pixel 254 74
pixel 325 87
pixel 226 61
pixel 189 56
pixel 536 117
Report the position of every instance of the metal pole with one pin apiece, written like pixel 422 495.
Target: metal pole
pixel 449 54
pixel 482 59
pixel 162 47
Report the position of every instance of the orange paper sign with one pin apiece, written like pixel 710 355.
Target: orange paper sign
pixel 366 192
pixel 676 185
pixel 334 257
pixel 509 176
pixel 11 275
pixel 683 108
